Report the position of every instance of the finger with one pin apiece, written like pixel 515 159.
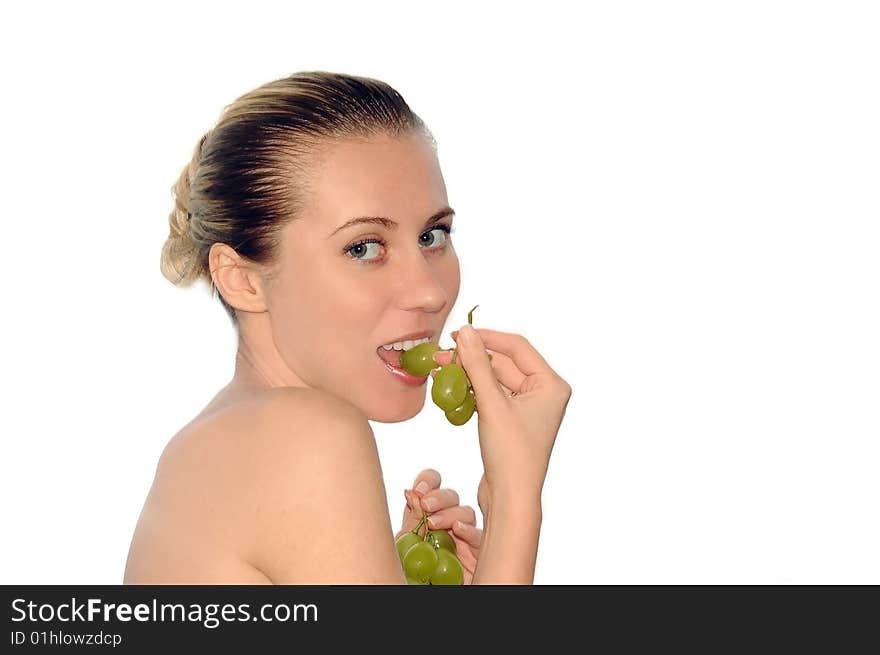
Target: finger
pixel 438 499
pixel 508 372
pixel 515 346
pixel 426 480
pixel 412 514
pixel 473 357
pixel 470 534
pixel 447 517
pixel 468 558
pixel 413 506
pixel 443 357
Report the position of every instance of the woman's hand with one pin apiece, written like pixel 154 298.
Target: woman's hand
pixel 520 404
pixel 444 512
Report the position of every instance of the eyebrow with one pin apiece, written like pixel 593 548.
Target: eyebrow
pixel 387 223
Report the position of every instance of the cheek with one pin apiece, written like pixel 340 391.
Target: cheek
pixel 452 276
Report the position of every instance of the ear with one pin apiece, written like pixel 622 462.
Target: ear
pixel 237 279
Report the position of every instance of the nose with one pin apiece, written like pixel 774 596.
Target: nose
pixel 419 284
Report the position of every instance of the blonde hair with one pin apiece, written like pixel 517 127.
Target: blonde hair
pixel 248 175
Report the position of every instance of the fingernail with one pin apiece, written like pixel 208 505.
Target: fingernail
pixel 434 521
pixel 422 487
pixel 467 334
pixel 429 503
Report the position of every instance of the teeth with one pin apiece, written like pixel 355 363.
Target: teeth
pixel 405 345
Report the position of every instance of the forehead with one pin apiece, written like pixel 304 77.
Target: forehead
pixel 383 175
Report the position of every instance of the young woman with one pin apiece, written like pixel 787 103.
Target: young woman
pixel 317 211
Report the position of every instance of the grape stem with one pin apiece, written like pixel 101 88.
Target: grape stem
pixel 471 315
pixel 470 322
pixel 422 522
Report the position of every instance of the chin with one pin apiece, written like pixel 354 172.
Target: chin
pixel 397 414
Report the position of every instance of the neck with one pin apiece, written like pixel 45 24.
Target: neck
pixel 258 362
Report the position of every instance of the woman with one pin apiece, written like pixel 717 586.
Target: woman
pixel 317 210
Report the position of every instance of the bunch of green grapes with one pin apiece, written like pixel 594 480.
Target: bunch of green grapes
pixel 429 559
pixel 451 391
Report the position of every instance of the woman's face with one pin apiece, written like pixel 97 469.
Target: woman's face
pixel 334 303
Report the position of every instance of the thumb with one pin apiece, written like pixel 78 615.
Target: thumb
pixel 475 360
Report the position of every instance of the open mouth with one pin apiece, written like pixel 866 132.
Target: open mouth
pixel 390 356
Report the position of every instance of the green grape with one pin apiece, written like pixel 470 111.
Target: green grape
pixel 448 570
pixel 420 561
pixel 405 542
pixel 451 391
pixel 462 414
pixel 420 360
pixel 413 581
pixel 441 539
pixel 450 387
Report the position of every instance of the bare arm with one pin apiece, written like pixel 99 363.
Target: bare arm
pixel 511 527
pixel 521 403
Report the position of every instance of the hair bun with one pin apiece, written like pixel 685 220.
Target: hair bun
pixel 179 253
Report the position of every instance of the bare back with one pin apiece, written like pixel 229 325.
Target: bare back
pixel 236 486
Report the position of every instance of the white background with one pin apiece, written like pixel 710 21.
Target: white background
pixel 677 203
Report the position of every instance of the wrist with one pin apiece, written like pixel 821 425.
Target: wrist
pixel 515 502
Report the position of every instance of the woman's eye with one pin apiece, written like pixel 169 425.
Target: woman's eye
pixel 368 250
pixel 363 249
pixel 433 241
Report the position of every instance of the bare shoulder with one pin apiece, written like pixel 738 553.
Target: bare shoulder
pixel 273 481
pixel 232 484
pixel 281 436
pixel 261 427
